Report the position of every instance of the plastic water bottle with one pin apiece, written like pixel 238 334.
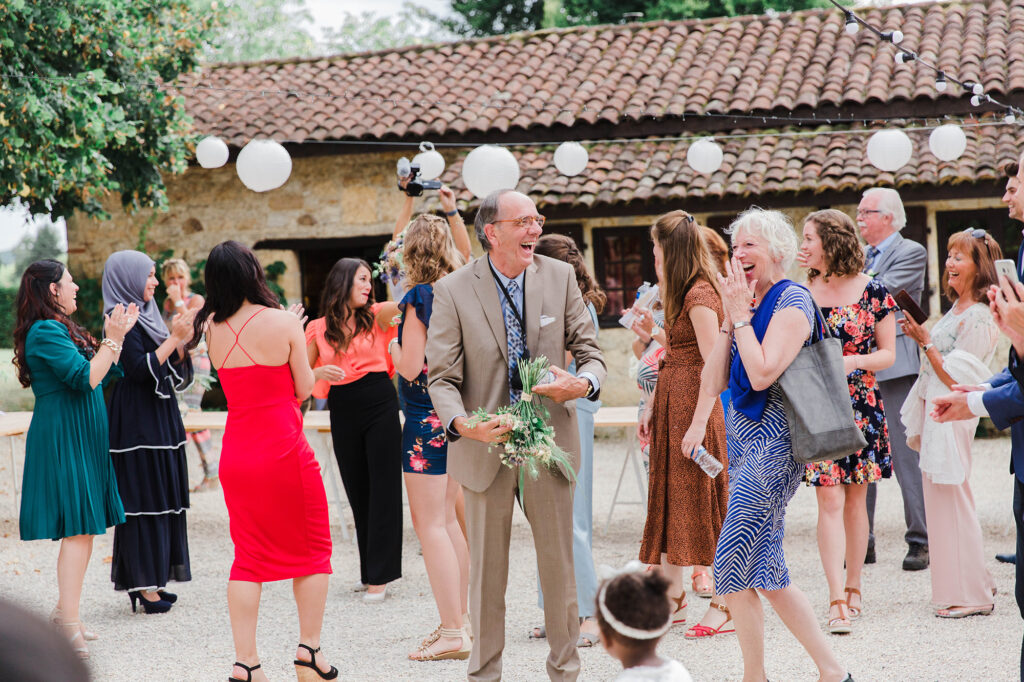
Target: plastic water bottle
pixel 711 466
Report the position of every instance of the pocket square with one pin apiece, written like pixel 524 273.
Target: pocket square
pixel 545 320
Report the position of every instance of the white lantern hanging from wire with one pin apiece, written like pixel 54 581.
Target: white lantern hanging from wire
pixel 947 142
pixel 431 162
pixel 263 165
pixel 889 149
pixel 489 168
pixel 704 156
pixel 571 158
pixel 211 152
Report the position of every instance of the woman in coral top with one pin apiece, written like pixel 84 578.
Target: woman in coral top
pixel 348 350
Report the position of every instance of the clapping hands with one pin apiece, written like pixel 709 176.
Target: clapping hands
pixel 120 321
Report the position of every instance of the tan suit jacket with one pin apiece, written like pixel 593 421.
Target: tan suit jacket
pixel 467 353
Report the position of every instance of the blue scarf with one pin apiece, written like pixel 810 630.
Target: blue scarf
pixel 749 402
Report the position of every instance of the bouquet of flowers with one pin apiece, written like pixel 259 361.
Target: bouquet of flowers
pixel 391 267
pixel 531 442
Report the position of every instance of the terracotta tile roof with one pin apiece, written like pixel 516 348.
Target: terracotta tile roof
pixel 755 167
pixel 568 83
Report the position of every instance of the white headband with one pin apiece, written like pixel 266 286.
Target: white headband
pixel 626 630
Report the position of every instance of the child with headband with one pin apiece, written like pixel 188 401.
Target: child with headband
pixel 633 612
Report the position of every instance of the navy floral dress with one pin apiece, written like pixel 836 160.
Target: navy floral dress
pixel 854 324
pixel 424 445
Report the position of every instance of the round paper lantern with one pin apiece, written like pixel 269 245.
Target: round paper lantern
pixel 947 142
pixel 431 162
pixel 263 165
pixel 489 168
pixel 889 149
pixel 704 156
pixel 571 158
pixel 211 152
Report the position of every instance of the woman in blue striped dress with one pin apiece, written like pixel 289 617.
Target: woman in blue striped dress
pixel 768 320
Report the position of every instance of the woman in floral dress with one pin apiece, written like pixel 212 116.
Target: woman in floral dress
pixel 860 312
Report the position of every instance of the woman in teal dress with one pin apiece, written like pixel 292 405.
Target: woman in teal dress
pixel 69 492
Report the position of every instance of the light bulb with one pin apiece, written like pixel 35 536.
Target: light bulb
pixel 851 23
pixel 977 88
pixel 897 37
pixel 904 57
pixel 940 82
pixel 975 100
pixel 1010 118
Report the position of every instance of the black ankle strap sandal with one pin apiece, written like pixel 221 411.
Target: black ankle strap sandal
pixel 248 671
pixel 304 669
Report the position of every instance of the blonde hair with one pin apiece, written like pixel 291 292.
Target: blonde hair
pixel 772 226
pixel 429 252
pixel 175 266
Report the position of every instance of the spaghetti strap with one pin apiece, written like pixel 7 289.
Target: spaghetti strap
pixel 236 343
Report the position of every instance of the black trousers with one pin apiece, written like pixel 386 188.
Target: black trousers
pixel 1018 588
pixel 367 439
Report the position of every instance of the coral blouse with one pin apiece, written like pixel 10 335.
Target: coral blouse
pixel 367 352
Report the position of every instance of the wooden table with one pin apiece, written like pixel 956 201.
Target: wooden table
pixel 624 417
pixel 12 425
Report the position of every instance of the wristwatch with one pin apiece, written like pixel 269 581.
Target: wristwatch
pixel 927 347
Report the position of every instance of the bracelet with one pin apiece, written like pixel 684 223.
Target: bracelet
pixel 179 303
pixel 112 345
pixel 737 325
pixel 725 330
pixel 391 345
pixel 452 212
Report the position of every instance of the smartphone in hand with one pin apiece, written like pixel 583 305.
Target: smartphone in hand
pixel 909 306
pixel 1007 268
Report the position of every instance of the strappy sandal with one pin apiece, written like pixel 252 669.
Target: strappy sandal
pixel 965 611
pixel 73 630
pixel 709 588
pixel 840 625
pixel 854 611
pixel 57 615
pixel 425 654
pixel 305 670
pixel 248 672
pixel 681 605
pixel 699 631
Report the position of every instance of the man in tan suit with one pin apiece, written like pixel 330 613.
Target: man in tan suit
pixel 475 336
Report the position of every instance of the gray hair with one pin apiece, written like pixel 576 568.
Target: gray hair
pixel 774 227
pixel 486 214
pixel 889 202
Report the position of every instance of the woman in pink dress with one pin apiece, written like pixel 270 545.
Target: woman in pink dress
pixel 271 480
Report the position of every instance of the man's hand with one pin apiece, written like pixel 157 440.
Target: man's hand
pixel 489 431
pixel 952 406
pixel 564 387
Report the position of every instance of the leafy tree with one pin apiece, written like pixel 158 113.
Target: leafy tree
pixel 81 111
pixel 492 17
pixel 251 30
pixel 45 243
pixel 367 31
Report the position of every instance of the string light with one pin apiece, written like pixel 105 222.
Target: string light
pixel 851 23
pixel 902 57
pixel 975 101
pixel 894 37
pixel 940 81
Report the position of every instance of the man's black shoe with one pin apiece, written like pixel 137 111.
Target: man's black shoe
pixel 869 556
pixel 916 559
pixel 1007 558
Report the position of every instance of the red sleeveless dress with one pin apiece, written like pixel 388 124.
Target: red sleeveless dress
pixel 275 496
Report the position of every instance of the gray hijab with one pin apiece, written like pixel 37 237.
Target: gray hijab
pixel 124 281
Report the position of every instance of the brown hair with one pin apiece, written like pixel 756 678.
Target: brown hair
pixel 717 247
pixel 839 243
pixel 685 259
pixel 429 252
pixel 984 252
pixel 639 600
pixel 334 304
pixel 563 248
pixel 1011 169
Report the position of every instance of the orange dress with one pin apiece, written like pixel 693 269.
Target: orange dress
pixel 685 507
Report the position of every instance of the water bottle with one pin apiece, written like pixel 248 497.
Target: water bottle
pixel 711 466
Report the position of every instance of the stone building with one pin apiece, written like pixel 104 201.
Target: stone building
pixel 788 96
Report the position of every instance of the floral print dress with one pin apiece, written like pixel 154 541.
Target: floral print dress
pixel 854 325
pixel 424 444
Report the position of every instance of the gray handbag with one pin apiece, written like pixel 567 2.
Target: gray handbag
pixel 817 400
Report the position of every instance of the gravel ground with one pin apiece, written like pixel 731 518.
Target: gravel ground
pixel 897 638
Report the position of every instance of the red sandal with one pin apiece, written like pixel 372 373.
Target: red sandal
pixel 699 631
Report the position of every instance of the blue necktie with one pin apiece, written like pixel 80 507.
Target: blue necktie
pixel 514 335
pixel 872 252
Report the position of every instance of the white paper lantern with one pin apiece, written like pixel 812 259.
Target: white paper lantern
pixel 948 142
pixel 571 158
pixel 211 152
pixel 704 156
pixel 431 162
pixel 489 168
pixel 889 149
pixel 263 165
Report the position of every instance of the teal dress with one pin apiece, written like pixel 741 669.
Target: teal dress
pixel 69 486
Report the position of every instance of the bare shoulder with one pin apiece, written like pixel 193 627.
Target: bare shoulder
pixel 278 319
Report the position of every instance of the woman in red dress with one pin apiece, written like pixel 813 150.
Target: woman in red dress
pixel 271 480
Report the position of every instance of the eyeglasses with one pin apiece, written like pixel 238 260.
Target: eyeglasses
pixel 864 211
pixel 977 233
pixel 524 220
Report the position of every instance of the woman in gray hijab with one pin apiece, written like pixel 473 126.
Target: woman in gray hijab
pixel 147 438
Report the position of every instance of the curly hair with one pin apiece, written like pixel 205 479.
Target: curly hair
pixel 334 304
pixel 984 252
pixel 639 600
pixel 839 243
pixel 685 259
pixel 563 248
pixel 429 252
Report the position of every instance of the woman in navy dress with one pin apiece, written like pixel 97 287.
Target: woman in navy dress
pixel 768 320
pixel 430 254
pixel 147 438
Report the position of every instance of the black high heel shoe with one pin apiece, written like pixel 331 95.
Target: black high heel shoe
pixel 248 671
pixel 304 670
pixel 148 606
pixel 168 597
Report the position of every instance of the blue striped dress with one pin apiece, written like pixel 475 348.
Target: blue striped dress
pixel 763 477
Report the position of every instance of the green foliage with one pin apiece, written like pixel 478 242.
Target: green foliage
pixel 45 243
pixel 8 316
pixel 367 31
pixel 274 272
pixel 251 30
pixel 80 116
pixel 474 18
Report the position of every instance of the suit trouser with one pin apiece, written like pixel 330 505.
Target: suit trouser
pixel 1018 588
pixel 904 463
pixel 548 506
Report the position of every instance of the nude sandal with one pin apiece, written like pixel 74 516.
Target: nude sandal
pixel 840 625
pixel 855 611
pixel 705 593
pixel 460 654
